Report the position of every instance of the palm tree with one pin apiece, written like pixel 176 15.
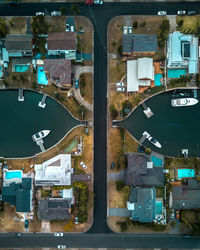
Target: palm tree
pixel 74 8
pixel 3 28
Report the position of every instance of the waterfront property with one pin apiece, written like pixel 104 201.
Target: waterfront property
pixel 186 173
pixel 158 79
pixel 182 52
pixel 157 162
pixel 13 174
pixel 176 73
pixel 41 76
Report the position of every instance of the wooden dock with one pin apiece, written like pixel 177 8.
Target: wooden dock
pixel 21 95
pixel 147 111
pixel 142 139
pixel 42 104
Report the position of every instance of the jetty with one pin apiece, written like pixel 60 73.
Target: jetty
pixel 42 104
pixel 40 144
pixel 144 136
pixel 195 93
pixel 147 111
pixel 185 153
pixel 21 95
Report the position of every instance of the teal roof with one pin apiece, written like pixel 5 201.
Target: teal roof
pixel 23 201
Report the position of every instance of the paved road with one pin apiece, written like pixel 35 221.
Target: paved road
pixel 100 235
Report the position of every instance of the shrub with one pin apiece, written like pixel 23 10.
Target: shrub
pixel 135 25
pixel 113 111
pixel 123 225
pixel 69 226
pixel 119 49
pixel 119 185
pixel 147 150
pixel 180 23
pixel 143 24
pixel 113 44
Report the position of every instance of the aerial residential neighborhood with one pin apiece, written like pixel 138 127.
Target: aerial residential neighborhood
pixel 100 124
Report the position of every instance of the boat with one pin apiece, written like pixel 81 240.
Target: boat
pixel 38 136
pixel 154 142
pixel 182 102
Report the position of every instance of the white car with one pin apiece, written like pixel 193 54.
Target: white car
pixel 58 234
pixel 125 30
pixel 67 27
pixel 56 13
pixel 76 220
pixel 181 12
pixel 72 28
pixel 162 13
pixel 83 165
pixel 39 14
pixel 120 89
pixel 130 30
pixel 62 247
pixel 119 84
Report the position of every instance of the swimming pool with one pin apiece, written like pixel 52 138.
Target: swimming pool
pixel 157 79
pixel 1 72
pixel 41 76
pixel 185 173
pixel 13 174
pixel 176 73
pixel 157 162
pixel 21 67
pixel 158 207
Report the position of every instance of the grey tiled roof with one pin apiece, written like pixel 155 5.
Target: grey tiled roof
pixel 137 173
pixel 127 43
pixel 19 42
pixel 144 200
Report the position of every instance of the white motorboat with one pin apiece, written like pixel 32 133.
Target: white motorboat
pixel 40 135
pixel 182 102
pixel 154 142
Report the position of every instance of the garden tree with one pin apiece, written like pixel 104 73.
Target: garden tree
pixel 147 150
pixel 3 28
pixel 123 225
pixel 126 107
pixel 143 24
pixel 135 25
pixel 39 25
pixel 81 202
pixel 197 80
pixel 113 111
pixel 119 49
pixel 63 10
pixel 119 185
pixel 180 23
pixel 74 8
pixel 81 111
pixel 78 44
pixel 113 44
pixel 163 33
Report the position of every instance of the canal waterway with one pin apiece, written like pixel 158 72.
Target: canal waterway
pixel 175 128
pixel 20 120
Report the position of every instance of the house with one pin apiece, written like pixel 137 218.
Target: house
pixel 62 43
pixel 58 71
pixel 53 209
pixel 142 204
pixel 185 196
pixel 140 172
pixel 19 45
pixel 139 44
pixel 182 52
pixel 19 195
pixel 56 171
pixel 140 72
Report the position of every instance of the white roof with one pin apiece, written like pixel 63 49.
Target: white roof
pixel 145 65
pixel 130 206
pixel 132 80
pixel 68 193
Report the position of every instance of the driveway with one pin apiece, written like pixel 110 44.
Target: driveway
pixel 81 177
pixel 172 23
pixel 119 212
pixel 116 176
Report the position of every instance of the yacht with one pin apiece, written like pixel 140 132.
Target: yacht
pixel 181 102
pixel 154 142
pixel 40 135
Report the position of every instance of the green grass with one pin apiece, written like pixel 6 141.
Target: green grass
pixel 159 192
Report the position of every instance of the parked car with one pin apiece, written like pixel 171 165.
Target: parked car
pixel 119 84
pixel 56 13
pixel 62 247
pixel 76 220
pixel 18 234
pixel 191 12
pixel 112 165
pixel 39 13
pixel 120 89
pixel 181 12
pixel 177 214
pixel 130 30
pixel 76 83
pixel 83 165
pixel 67 27
pixel 172 216
pixel 125 30
pixel 162 13
pixel 58 234
pixel 26 223
pixel 72 28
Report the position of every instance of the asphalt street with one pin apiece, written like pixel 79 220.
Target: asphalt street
pixel 99 235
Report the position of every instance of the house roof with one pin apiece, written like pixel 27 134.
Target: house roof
pixel 127 43
pixel 145 68
pixel 143 202
pixel 59 69
pixel 137 173
pixel 53 209
pixel 23 201
pixel 186 196
pixel 61 41
pixel 19 42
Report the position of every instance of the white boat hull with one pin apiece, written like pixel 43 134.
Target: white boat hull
pixel 183 102
pixel 38 136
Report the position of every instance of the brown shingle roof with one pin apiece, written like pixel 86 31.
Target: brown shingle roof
pixel 59 69
pixel 61 41
pixel 19 42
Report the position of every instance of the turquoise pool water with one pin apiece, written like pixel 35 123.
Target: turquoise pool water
pixel 176 73
pixel 157 79
pixel 14 174
pixel 185 173
pixel 157 162
pixel 21 67
pixel 1 72
pixel 41 76
pixel 158 207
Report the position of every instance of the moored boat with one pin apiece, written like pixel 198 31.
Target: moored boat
pixel 182 102
pixel 40 135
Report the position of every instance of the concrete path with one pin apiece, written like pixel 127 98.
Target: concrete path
pixel 81 177
pixel 172 23
pixel 78 71
pixel 116 176
pixel 45 226
pixel 119 212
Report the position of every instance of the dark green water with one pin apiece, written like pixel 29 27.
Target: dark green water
pixel 20 120
pixel 174 128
